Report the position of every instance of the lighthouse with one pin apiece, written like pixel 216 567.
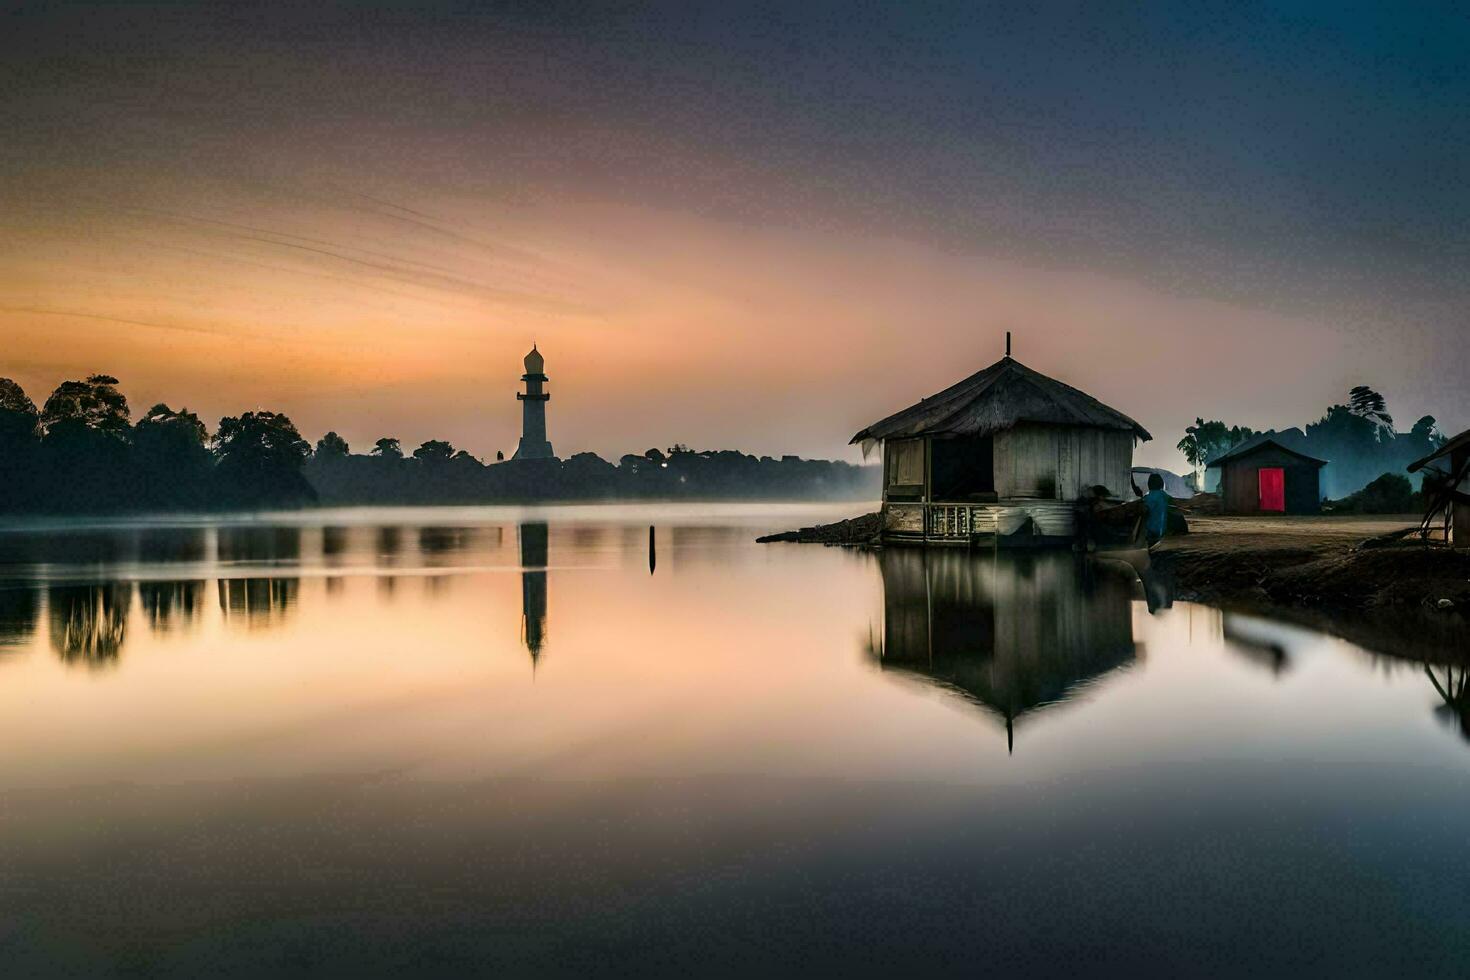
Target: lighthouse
pixel 533 410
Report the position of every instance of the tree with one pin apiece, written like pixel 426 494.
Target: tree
pixel 1205 441
pixel 1426 430
pixel 260 459
pixel 434 451
pixel 19 447
pixel 170 460
pixel 387 448
pixel 1368 404
pixel 94 404
pixel 331 446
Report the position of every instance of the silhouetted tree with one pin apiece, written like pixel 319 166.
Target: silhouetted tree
pixel 85 457
pixel 94 403
pixel 434 451
pixel 331 446
pixel 261 456
pixel 19 447
pixel 170 459
pixel 387 448
pixel 1368 404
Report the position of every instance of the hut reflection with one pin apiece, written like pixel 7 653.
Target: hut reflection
pixel 533 540
pixel 88 623
pixel 1011 635
pixel 170 605
pixel 20 610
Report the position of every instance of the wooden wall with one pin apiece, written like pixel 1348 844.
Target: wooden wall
pixel 1061 462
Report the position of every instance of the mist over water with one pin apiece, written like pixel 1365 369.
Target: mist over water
pixel 549 741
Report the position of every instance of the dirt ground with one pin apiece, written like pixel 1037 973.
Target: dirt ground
pixel 1288 532
pixel 1343 574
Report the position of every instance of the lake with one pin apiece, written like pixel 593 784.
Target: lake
pixel 524 742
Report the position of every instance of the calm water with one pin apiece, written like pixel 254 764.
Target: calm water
pixel 514 742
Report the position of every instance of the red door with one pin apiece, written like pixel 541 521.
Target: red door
pixel 1273 488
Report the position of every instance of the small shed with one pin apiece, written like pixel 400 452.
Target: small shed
pixel 1263 476
pixel 1006 450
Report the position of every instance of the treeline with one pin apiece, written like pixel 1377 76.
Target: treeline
pixel 82 452
pixel 436 473
pixel 1358 440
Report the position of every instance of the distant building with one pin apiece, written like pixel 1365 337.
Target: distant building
pixel 1006 451
pixel 534 444
pixel 1263 476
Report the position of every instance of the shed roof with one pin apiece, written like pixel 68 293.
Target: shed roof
pixel 1261 441
pixel 1458 442
pixel 999 397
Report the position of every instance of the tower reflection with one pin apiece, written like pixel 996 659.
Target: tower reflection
pixel 533 539
pixel 1010 635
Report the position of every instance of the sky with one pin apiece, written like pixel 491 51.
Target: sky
pixel 754 226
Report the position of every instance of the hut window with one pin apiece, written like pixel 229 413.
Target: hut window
pixel 906 463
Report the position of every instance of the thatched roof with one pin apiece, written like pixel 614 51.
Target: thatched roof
pixel 997 398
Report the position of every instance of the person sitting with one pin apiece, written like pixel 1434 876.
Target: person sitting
pixel 1156 503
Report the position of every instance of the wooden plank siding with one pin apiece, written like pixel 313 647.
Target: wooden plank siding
pixel 1061 462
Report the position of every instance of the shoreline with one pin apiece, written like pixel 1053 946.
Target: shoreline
pixel 1361 578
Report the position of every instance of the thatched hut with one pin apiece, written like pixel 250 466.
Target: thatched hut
pixel 1007 451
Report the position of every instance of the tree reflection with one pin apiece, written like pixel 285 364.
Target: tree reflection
pixel 1011 635
pixel 334 544
pixel 171 545
pixel 20 608
pixel 170 605
pixel 260 545
pixel 257 602
pixel 438 543
pixel 533 540
pixel 88 623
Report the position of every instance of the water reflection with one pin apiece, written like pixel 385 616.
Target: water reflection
pixel 1010 635
pixel 1449 684
pixel 1255 644
pixel 20 608
pixel 533 540
pixel 257 602
pixel 172 544
pixel 171 605
pixel 334 544
pixel 88 623
pixel 260 545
